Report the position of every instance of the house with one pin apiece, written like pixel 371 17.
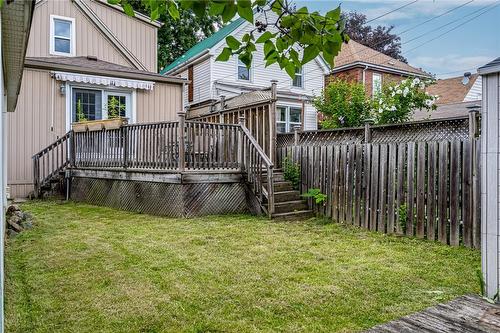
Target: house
pixel 211 79
pixel 456 96
pixel 15 17
pixel 82 54
pixel 360 63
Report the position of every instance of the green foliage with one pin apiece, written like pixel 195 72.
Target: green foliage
pixel 313 33
pixel 291 172
pixel 397 101
pixel 80 116
pixel 115 109
pixel 344 104
pixel 315 193
pixel 403 216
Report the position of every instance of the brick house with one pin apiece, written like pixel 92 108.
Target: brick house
pixel 363 64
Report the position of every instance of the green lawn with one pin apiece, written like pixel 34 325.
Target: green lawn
pixel 92 269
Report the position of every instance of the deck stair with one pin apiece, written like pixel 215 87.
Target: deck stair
pixel 289 205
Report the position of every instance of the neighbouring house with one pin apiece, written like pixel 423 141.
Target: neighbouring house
pixel 456 96
pixel 210 79
pixel 360 63
pixel 82 54
pixel 16 18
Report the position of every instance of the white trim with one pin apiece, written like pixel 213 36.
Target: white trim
pixel 379 67
pixel 302 81
pixel 72 37
pixel 287 121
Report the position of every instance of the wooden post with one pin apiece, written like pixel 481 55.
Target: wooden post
pixel 272 121
pixel 241 147
pixel 180 136
pixel 125 146
pixel 270 191
pixel 72 149
pixel 368 131
pixel 296 139
pixel 222 107
pixel 473 112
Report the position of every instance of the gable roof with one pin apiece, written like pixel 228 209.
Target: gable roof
pixel 204 45
pixel 491 67
pixel 354 53
pixel 451 90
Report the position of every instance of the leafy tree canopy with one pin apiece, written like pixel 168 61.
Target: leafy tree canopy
pixel 314 33
pixel 379 38
pixel 176 36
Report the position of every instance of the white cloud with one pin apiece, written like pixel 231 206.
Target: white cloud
pixel 451 65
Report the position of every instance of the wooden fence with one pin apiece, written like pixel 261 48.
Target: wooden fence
pixel 423 189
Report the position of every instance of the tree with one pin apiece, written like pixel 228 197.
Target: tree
pixel 343 104
pixel 379 38
pixel 176 36
pixel 297 29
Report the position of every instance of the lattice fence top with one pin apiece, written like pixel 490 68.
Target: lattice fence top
pixel 434 130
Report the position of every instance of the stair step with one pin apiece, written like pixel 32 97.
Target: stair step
pixel 290 206
pixel 284 196
pixel 293 216
pixel 283 186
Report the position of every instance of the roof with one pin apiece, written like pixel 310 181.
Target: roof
pixel 92 65
pixel 491 67
pixel 16 24
pixel 452 110
pixel 205 44
pixel 354 53
pixel 451 90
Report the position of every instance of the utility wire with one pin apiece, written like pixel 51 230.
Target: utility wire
pixel 392 11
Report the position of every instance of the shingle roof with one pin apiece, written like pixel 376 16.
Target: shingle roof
pixel 490 67
pixel 205 44
pixel 97 67
pixel 354 52
pixel 451 90
pixel 443 111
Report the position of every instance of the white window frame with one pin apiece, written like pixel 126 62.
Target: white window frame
pixel 289 126
pixel 302 81
pixel 375 91
pixel 131 111
pixel 72 38
pixel 250 71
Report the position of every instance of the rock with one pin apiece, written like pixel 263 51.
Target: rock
pixel 27 224
pixel 15 226
pixel 19 214
pixel 11 233
pixel 13 208
pixel 28 216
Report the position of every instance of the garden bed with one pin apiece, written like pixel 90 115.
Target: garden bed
pixel 91 269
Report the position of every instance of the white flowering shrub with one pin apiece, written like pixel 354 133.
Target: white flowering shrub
pixel 397 101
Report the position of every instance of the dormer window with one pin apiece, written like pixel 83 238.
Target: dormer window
pixel 297 80
pixel 243 71
pixel 62 35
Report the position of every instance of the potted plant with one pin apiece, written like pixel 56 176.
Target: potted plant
pixel 115 109
pixel 81 121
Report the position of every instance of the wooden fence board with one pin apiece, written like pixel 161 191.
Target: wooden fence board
pixel 454 196
pixel 336 186
pixel 358 194
pixel 391 188
pixel 330 172
pixel 421 157
pixel 382 190
pixel 366 185
pixel 350 183
pixel 442 194
pixel 342 181
pixel 476 206
pixel 466 201
pixel 400 186
pixel 431 191
pixel 374 187
pixel 410 176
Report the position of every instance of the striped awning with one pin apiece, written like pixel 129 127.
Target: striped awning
pixel 103 80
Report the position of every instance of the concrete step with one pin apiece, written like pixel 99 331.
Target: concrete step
pixel 290 206
pixel 293 216
pixel 284 196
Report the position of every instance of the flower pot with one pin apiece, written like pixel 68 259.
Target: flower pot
pixel 79 127
pixel 95 125
pixel 114 123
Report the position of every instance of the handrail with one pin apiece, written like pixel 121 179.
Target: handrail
pixel 252 164
pixel 49 161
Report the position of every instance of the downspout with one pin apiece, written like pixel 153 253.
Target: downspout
pixel 364 76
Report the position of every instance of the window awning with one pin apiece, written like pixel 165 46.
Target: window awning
pixel 103 80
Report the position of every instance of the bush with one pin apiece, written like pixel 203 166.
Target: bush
pixel 344 104
pixel 397 101
pixel 291 172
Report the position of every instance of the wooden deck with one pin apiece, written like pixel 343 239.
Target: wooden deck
pixel 464 314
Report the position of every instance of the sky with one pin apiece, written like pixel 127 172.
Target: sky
pixel 468 46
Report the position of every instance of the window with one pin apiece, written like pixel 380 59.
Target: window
pixel 298 79
pixel 62 35
pixel 95 104
pixel 287 118
pixel 376 84
pixel 243 71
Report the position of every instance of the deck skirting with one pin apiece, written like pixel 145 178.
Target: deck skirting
pixel 166 194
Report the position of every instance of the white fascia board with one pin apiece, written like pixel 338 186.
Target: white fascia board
pixel 183 66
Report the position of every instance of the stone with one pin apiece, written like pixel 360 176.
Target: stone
pixel 19 214
pixel 27 224
pixel 13 208
pixel 14 225
pixel 11 233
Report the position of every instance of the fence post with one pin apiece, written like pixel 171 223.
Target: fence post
pixel 180 137
pixel 272 121
pixel 222 107
pixel 473 112
pixel 474 174
pixel 368 130
pixel 296 138
pixel 72 149
pixel 240 143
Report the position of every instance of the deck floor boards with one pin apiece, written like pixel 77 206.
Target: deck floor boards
pixel 464 314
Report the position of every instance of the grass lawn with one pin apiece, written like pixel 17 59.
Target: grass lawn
pixel 91 269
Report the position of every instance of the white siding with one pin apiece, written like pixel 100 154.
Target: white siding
pixel 310 118
pixel 476 91
pixel 201 81
pixel 490 185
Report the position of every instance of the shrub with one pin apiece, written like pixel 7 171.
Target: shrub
pixel 291 172
pixel 397 101
pixel 315 193
pixel 344 104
